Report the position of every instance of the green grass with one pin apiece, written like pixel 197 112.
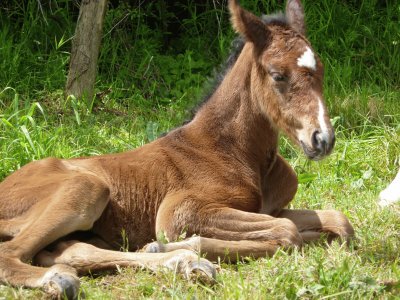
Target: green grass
pixel 349 180
pixel 149 78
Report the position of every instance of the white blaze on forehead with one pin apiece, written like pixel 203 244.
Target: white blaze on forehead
pixel 307 59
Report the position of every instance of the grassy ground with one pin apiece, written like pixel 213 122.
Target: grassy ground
pixel 349 180
pixel 147 85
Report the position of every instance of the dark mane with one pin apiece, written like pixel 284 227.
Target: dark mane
pixel 275 19
pixel 213 84
pixel 236 48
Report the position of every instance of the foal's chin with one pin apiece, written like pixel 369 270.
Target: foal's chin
pixel 314 153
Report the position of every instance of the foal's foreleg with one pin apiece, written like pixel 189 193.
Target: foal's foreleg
pixel 279 187
pixel 224 232
pixel 312 224
pixel 237 234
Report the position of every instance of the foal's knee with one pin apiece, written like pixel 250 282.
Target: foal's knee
pixel 289 234
pixel 342 227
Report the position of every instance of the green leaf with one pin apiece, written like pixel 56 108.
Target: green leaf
pixel 307 177
pixel 28 137
pixel 152 131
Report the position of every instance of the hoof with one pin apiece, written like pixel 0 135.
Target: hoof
pixel 201 270
pixel 61 285
pixel 154 247
pixel 191 266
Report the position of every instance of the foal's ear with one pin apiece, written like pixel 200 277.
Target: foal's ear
pixel 295 15
pixel 248 25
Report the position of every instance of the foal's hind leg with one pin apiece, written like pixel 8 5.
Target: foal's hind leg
pixel 74 205
pixel 85 258
pixel 216 249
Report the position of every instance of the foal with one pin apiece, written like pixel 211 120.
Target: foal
pixel 219 177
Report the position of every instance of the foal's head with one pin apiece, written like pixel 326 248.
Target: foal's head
pixel 287 79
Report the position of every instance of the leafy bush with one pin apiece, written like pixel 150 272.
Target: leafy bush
pixel 158 53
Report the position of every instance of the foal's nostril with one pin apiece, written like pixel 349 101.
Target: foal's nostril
pixel 318 141
pixel 314 139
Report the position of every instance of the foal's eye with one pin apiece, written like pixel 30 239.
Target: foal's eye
pixel 278 77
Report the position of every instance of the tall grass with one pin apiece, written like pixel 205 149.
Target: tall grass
pixel 359 44
pixel 32 58
pixel 156 53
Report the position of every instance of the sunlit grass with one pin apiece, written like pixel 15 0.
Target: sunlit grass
pixel 349 180
pixel 146 87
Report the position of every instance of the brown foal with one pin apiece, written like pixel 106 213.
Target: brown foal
pixel 218 178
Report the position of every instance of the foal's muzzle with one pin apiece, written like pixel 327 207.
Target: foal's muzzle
pixel 322 144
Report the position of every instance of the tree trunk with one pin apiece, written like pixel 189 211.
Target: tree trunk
pixel 85 49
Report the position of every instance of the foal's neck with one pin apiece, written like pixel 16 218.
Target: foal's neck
pixel 232 120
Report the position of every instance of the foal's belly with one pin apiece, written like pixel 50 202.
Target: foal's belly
pixel 124 228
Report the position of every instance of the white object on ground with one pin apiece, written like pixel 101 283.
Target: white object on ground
pixel 391 194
